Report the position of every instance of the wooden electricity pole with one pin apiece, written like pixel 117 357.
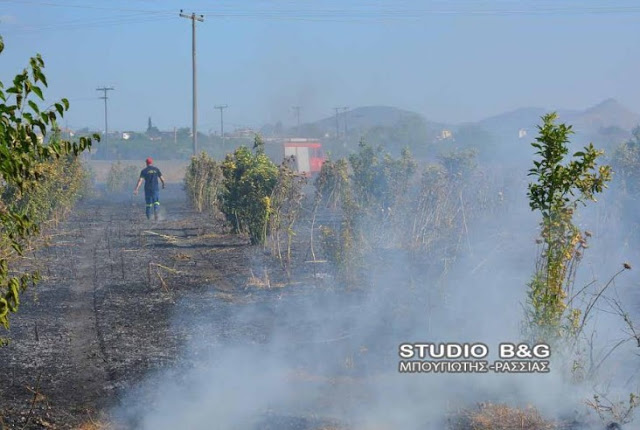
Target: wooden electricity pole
pixel 222 108
pixel 193 17
pixel 106 123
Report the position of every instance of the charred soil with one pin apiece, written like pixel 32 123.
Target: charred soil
pixel 101 317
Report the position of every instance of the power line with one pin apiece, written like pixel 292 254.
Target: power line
pixel 83 6
pixel 367 13
pixel 82 24
pixel 390 14
pixel 367 9
pixel 105 98
pixel 193 17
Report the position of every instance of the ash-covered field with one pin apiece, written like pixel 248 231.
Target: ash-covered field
pixel 124 299
pixel 178 323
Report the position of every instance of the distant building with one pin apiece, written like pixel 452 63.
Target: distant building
pixel 67 133
pixel 243 133
pixel 152 131
pixel 126 135
pixel 445 134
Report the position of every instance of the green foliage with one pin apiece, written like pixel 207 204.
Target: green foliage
pixel 249 180
pixel 332 182
pixel 556 193
pixel 378 179
pixel 203 183
pixel 62 182
pixel 458 164
pixel 122 177
pixel 391 203
pixel 626 164
pixel 367 189
pixel 31 167
pixel 334 189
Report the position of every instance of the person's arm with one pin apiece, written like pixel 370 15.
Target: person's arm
pixel 161 180
pixel 135 192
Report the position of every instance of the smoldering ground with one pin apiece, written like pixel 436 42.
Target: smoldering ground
pixel 306 356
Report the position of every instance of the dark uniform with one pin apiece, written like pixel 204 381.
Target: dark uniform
pixel 150 174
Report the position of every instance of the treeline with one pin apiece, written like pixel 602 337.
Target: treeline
pixel 378 202
pixel 166 148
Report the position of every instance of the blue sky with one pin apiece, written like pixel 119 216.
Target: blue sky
pixel 452 61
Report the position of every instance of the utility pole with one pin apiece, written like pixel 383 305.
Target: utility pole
pixel 345 109
pixel 337 109
pixel 297 109
pixel 106 124
pixel 193 17
pixel 222 108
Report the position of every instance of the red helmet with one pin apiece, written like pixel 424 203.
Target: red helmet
pixel 149 161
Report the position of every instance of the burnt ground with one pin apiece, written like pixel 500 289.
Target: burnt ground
pixel 125 301
pixel 109 310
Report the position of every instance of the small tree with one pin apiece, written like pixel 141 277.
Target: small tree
pixel 286 204
pixel 249 180
pixel 203 183
pixel 557 191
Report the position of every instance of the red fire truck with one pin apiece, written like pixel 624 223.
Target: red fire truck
pixel 308 154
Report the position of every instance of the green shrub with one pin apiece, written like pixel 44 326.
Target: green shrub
pixel 249 180
pixel 203 183
pixel 558 189
pixel 122 177
pixel 38 176
pixel 62 182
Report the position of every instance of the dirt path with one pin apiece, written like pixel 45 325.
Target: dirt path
pixel 123 298
pixel 84 347
pixel 99 321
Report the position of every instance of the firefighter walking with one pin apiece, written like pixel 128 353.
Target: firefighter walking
pixel 151 175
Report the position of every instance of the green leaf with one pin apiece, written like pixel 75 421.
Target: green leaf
pixel 34 107
pixel 38 92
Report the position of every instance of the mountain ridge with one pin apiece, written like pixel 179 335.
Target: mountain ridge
pixel 607 113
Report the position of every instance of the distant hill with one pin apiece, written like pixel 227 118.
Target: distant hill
pixel 606 124
pixel 609 113
pixel 605 115
pixel 362 119
pixel 514 120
